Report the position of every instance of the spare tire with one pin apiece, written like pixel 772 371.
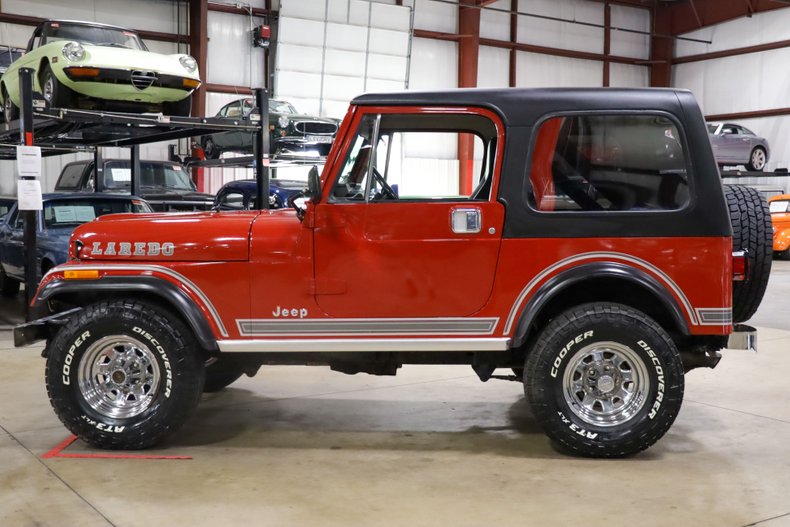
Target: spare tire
pixel 751 232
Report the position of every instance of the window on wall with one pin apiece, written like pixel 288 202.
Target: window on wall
pixel 416 157
pixel 608 163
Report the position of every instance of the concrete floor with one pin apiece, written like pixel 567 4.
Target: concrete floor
pixel 299 446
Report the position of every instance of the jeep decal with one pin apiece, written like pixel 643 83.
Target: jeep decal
pixel 133 249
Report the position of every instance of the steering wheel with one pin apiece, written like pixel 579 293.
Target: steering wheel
pixel 386 191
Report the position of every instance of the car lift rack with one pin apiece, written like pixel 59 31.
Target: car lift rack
pixel 59 131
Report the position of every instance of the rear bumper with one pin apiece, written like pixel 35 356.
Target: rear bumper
pixel 743 337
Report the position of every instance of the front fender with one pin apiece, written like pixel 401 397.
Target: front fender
pixel 82 292
pixel 781 240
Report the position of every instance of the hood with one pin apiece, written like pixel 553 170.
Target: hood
pixel 124 58
pixel 160 193
pixel 182 237
pixel 274 116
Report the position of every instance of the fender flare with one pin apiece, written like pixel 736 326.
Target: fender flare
pixel 560 282
pixel 149 285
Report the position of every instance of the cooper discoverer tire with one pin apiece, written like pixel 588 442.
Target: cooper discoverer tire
pixel 123 374
pixel 604 380
pixel 751 231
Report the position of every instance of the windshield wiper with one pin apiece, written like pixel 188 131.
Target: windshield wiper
pixel 112 45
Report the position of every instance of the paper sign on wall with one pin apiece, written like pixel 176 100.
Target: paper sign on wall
pixel 28 161
pixel 29 194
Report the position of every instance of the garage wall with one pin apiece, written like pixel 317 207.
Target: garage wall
pixel 743 83
pixel 231 58
pixel 329 52
pixel 539 70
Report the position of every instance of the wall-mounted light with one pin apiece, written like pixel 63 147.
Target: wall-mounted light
pixel 260 36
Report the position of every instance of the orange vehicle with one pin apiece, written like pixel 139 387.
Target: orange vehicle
pixel 579 238
pixel 780 218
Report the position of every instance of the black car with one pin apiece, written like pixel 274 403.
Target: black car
pixel 165 185
pixel 289 131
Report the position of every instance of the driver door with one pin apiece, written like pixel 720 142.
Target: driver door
pixel 396 234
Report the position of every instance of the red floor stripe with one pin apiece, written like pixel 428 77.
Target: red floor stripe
pixel 60 447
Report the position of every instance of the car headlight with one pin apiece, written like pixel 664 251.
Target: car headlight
pixel 74 51
pixel 189 63
pixel 283 121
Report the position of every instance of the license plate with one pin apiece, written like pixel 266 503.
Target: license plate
pixel 319 138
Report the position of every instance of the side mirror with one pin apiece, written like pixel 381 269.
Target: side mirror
pixel 313 183
pixel 313 191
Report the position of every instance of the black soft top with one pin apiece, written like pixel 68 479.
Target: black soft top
pixel 523 106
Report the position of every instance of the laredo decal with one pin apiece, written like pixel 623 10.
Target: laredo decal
pixel 133 249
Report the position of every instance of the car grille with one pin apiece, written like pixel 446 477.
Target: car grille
pixel 314 127
pixel 143 79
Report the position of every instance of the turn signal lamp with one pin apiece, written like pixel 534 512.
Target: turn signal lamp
pixel 81 274
pixel 83 72
pixel 191 83
pixel 740 266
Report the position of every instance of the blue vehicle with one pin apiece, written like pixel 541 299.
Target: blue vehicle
pixel 61 215
pixel 240 194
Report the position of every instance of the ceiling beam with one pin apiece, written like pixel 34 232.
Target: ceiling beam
pixel 696 14
pixel 148 35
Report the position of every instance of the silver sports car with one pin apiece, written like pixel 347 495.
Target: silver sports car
pixel 735 145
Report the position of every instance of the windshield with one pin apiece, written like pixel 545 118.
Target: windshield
pixel 281 107
pixel 7 56
pixel 118 175
pixel 70 212
pixel 100 36
pixel 778 206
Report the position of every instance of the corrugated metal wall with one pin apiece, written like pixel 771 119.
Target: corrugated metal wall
pixel 743 83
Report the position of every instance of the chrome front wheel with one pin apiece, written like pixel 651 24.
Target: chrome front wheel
pixel 119 376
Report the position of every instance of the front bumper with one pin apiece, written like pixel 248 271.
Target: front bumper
pixel 302 146
pixel 41 329
pixel 743 337
pixel 128 85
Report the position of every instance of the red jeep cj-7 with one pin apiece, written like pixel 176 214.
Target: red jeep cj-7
pixel 589 247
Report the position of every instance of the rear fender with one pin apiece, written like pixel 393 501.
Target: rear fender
pixel 579 276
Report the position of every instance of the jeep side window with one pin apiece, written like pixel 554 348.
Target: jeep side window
pixel 607 163
pixel 415 157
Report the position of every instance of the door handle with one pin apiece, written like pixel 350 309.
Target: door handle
pixel 466 220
